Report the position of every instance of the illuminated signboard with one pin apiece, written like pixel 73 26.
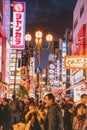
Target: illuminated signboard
pixel 7 71
pixel 58 68
pixel 18 25
pixel 0 54
pixel 64 52
pixel 75 61
pixel 51 73
pixel 32 66
pixel 51 57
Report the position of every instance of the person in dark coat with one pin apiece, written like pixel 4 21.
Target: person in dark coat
pixel 80 119
pixel 54 119
pixel 68 116
pixel 6 112
pixel 1 112
pixel 31 115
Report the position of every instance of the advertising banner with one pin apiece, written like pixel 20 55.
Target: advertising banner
pixel 75 62
pixel 64 52
pixel 18 25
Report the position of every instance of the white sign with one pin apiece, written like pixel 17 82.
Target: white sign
pixel 18 25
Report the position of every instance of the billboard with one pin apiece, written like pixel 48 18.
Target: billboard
pixel 75 62
pixel 18 25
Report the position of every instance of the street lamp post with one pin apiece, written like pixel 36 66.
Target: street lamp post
pixel 38 46
pixel 38 41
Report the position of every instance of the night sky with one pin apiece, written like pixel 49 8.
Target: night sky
pixel 53 16
pixel 50 15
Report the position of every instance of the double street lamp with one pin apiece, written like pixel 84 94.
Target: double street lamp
pixel 38 45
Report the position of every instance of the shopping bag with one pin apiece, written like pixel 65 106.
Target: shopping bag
pixel 19 126
pixel 28 125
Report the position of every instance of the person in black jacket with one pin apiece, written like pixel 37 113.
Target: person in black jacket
pixel 16 109
pixel 6 112
pixel 31 115
pixel 68 116
pixel 1 112
pixel 54 119
pixel 80 119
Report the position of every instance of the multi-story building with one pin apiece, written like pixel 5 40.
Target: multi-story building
pixel 11 31
pixel 79 47
pixel 4 46
pixel 17 34
pixel 69 39
pixel 55 68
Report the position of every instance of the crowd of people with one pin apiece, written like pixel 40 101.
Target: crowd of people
pixel 50 114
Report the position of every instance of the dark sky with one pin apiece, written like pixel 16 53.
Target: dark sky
pixel 50 15
pixel 53 16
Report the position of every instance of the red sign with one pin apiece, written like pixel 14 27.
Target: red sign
pixel 18 25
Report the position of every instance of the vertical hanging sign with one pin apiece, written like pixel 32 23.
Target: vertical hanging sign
pixel 64 52
pixel 18 25
pixel 0 54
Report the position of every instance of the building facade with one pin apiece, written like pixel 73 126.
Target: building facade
pixel 4 47
pixel 79 47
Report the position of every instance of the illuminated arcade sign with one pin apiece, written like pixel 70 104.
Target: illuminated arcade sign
pixel 18 25
pixel 75 61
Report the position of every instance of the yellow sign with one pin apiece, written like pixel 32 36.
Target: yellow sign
pixel 75 62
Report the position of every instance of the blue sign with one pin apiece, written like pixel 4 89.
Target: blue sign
pixel 38 70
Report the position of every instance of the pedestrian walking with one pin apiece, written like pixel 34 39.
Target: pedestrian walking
pixel 84 99
pixel 80 119
pixel 68 116
pixel 31 116
pixel 54 119
pixel 6 115
pixel 16 109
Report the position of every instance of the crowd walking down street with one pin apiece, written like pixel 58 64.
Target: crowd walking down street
pixel 43 65
pixel 22 114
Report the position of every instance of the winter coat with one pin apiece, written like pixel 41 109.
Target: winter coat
pixel 80 123
pixel 68 120
pixel 54 119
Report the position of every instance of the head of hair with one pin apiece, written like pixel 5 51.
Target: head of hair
pixel 32 103
pixel 40 101
pixel 6 100
pixel 80 105
pixel 13 96
pixel 50 96
pixel 69 106
pixel 83 95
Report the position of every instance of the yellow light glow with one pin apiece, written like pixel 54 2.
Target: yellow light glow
pixel 49 38
pixel 28 37
pixel 38 34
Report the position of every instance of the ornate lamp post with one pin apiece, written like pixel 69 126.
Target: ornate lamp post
pixel 38 45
